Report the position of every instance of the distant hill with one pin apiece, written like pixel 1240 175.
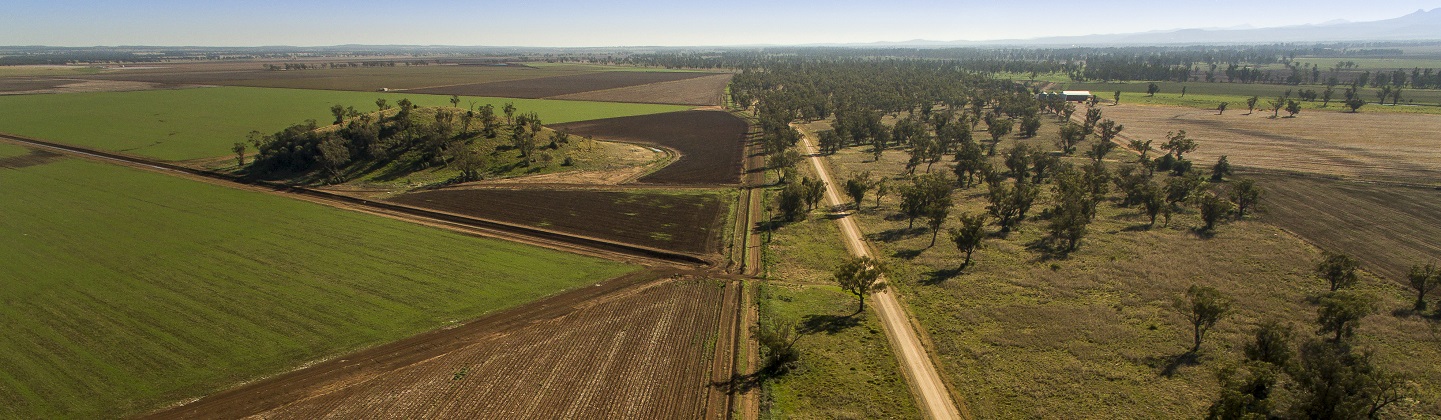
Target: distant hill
pixel 1421 25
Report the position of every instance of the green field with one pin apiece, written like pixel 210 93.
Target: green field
pixel 125 290
pixel 197 123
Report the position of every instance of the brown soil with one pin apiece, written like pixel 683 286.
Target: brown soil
pixel 36 157
pixel 682 222
pixel 1387 227
pixel 23 85
pixel 559 85
pixel 1372 146
pixel 633 347
pixel 707 90
pixel 710 143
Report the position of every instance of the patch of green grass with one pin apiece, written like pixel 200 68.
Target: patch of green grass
pixel 197 123
pixel 124 290
pixel 1025 333
pixel 846 367
pixel 1373 64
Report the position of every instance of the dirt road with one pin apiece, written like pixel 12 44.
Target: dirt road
pixel 930 391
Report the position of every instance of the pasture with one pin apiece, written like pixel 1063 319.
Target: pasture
pixel 125 290
pixel 197 123
pixel 1210 95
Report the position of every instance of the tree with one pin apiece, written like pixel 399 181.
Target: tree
pixel 1326 96
pixel 239 149
pixel 1117 96
pixel 1341 312
pixel 1072 214
pixel 1213 208
pixel 860 276
pixel 1203 306
pixel 339 112
pixel 1423 279
pixel 1271 344
pixel 509 110
pixel 969 236
pixel 1030 124
pixel 1293 108
pixel 997 128
pixel 1251 104
pixel 777 338
pixel 1246 194
pixel 792 202
pixel 1333 382
pixel 454 101
pixel 1221 109
pixel 1276 105
pixel 1009 204
pixel 1337 269
pixel 1154 201
pixel 936 214
pixel 1355 104
pixel 1221 169
pixel 857 186
pixel 1152 89
pixel 333 155
pixel 1071 135
pixel 1109 131
pixel 970 162
pixel 381 103
pixel 1177 144
pixel 883 188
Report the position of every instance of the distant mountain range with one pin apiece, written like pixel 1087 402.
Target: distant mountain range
pixel 1419 26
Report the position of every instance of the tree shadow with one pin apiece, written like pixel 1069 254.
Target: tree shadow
pixel 1046 250
pixel 909 254
pixel 941 275
pixel 1137 228
pixel 890 235
pixel 1175 363
pixel 828 324
pixel 1203 233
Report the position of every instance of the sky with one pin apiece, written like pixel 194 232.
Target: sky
pixel 556 23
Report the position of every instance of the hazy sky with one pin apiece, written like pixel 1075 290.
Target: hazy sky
pixel 628 22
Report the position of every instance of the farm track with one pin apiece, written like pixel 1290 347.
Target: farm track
pixel 540 237
pixel 919 369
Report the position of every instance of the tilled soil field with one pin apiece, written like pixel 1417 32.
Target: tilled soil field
pixel 710 143
pixel 627 348
pixel 1372 146
pixel 560 85
pixel 1387 227
pixel 708 90
pixel 681 222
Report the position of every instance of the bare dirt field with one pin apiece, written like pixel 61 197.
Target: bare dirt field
pixel 705 90
pixel 1389 228
pixel 681 222
pixel 1371 146
pixel 635 347
pixel 560 85
pixel 710 143
pixel 28 84
pixel 44 86
pixel 358 79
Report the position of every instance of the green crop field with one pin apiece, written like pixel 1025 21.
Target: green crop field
pixel 197 123
pixel 124 290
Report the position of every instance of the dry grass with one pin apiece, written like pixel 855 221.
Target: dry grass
pixel 1024 333
pixel 705 90
pixel 1370 146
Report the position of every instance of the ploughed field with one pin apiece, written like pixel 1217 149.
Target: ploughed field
pixel 710 143
pixel 560 85
pixel 686 222
pixel 705 90
pixel 124 290
pixel 634 347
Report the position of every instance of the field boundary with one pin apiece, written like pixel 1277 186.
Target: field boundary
pixel 511 229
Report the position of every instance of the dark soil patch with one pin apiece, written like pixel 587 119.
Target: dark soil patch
pixel 1387 227
pixel 710 143
pixel 678 222
pixel 34 158
pixel 22 85
pixel 560 85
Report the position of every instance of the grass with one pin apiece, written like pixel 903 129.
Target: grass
pixel 1027 333
pixel 198 123
pixel 846 368
pixel 1373 64
pixel 1209 95
pixel 125 290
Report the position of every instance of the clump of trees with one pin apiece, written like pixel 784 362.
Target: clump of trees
pixel 860 276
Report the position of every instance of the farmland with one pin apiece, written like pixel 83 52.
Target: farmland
pixel 131 289
pixel 706 90
pixel 683 221
pixel 635 348
pixel 198 123
pixel 1209 95
pixel 709 142
pixel 560 85
pixel 1364 146
pixel 365 79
